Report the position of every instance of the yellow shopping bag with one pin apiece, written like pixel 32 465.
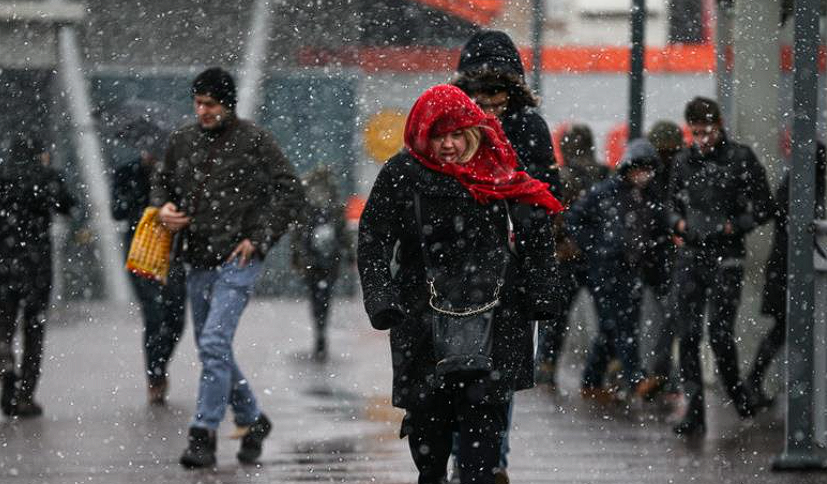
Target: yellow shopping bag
pixel 150 249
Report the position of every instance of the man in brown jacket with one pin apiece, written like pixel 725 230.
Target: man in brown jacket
pixel 228 193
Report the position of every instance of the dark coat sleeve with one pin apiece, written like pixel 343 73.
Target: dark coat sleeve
pixel 757 202
pixel 535 150
pixel 282 197
pixel 61 200
pixel 378 234
pixel 163 175
pixel 535 235
pixel 581 221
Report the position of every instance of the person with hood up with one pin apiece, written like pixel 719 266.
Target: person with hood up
pixel 613 226
pixel 30 192
pixel 453 230
pixel 491 72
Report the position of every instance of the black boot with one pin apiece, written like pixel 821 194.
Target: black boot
pixel 690 427
pixel 320 349
pixel 250 449
pixel 26 407
pixel 201 449
pixel 694 422
pixel 7 398
pixel 760 400
pixel 744 404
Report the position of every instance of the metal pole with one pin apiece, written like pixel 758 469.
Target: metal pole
pixel 254 57
pixel 91 164
pixel 723 68
pixel 538 8
pixel 800 447
pixel 638 20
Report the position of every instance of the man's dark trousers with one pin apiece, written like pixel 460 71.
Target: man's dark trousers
pixel 699 279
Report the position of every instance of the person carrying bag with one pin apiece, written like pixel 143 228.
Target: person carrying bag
pixel 455 255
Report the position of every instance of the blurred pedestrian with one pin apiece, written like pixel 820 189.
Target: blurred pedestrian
pixel 490 71
pixel 667 138
pixel 774 301
pixel 225 185
pixel 455 258
pixel 320 243
pixel 580 171
pixel 614 225
pixel 30 192
pixel 719 193
pixel 162 305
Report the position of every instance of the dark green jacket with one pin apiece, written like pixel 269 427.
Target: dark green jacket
pixel 234 184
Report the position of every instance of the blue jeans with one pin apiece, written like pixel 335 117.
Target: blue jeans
pixel 217 297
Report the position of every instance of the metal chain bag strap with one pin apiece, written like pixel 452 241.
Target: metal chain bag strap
pixel 462 336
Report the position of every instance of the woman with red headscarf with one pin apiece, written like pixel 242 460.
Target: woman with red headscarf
pixel 455 256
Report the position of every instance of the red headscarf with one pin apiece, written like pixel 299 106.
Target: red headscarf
pixel 491 173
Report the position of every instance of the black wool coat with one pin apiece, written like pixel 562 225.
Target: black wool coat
pixel 29 194
pixel 465 239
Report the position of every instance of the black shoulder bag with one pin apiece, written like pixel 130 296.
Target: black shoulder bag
pixel 462 336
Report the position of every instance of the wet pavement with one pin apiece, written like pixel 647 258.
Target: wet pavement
pixel 332 421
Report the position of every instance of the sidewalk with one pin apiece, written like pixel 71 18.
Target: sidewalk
pixel 332 422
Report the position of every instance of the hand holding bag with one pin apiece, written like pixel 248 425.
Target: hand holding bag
pixel 149 252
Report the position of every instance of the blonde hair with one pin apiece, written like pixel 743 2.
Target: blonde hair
pixel 473 136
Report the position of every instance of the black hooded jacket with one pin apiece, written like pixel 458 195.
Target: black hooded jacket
pixel 491 55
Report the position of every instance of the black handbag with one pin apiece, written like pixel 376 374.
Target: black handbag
pixel 462 334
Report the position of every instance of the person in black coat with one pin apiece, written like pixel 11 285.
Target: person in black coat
pixel 30 192
pixel 162 305
pixel 614 225
pixel 491 72
pixel 452 225
pixel 774 301
pixel 719 193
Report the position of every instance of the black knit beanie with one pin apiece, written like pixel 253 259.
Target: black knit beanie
pixel 218 84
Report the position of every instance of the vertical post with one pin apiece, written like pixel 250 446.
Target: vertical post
pixel 638 25
pixel 800 448
pixel 91 163
pixel 538 9
pixel 723 65
pixel 254 57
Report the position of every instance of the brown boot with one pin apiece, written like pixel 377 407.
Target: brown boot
pixel 648 387
pixel 157 392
